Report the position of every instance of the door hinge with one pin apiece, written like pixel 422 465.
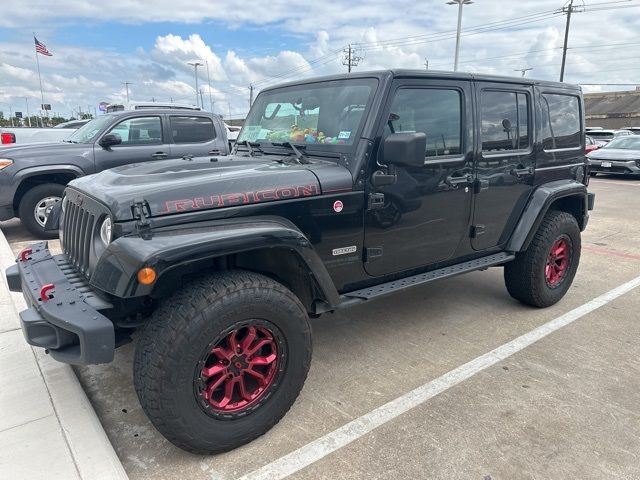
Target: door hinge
pixel 376 201
pixel 371 253
pixel 477 230
pixel 141 212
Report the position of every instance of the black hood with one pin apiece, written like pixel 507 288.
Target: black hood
pixel 183 185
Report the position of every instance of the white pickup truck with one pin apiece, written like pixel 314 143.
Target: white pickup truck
pixel 21 135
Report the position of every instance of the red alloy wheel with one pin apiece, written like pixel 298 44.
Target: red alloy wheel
pixel 557 262
pixel 240 369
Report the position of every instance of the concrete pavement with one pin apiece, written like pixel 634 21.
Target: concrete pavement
pixel 48 428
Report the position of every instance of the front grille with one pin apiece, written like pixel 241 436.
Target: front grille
pixel 77 233
pixel 81 216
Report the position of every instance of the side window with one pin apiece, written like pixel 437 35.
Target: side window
pixel 560 121
pixel 139 131
pixel 505 121
pixel 436 112
pixel 191 129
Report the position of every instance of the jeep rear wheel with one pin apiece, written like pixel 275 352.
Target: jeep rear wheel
pixel 542 274
pixel 222 361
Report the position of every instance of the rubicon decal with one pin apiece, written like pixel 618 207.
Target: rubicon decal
pixel 344 250
pixel 242 198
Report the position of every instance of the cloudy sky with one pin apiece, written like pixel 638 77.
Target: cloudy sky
pixel 97 45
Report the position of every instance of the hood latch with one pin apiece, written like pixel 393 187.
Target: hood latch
pixel 141 213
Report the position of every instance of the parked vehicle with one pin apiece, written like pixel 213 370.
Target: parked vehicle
pixel 605 136
pixel 32 177
pixel 590 129
pixel 22 135
pixel 590 144
pixel 620 156
pixel 120 107
pixel 220 263
pixel 73 123
pixel 232 132
pixel 634 130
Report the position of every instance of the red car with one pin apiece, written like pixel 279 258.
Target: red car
pixel 590 145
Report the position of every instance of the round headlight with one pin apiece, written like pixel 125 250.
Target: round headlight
pixel 105 231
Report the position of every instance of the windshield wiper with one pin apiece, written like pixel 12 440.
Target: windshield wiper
pixel 251 147
pixel 300 157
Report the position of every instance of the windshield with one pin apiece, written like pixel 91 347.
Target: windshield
pixel 325 113
pixel 86 133
pixel 626 143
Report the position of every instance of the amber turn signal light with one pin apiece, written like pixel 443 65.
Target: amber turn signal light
pixel 146 276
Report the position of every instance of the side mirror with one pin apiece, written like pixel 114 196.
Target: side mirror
pixel 109 140
pixel 406 149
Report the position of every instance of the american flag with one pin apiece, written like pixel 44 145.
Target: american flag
pixel 42 48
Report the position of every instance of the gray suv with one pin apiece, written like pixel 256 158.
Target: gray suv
pixel 33 176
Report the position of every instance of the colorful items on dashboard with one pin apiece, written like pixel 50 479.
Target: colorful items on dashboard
pixel 303 135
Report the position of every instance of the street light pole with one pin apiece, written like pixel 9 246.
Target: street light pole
pixel 196 64
pixel 460 3
pixel 126 84
pixel 26 100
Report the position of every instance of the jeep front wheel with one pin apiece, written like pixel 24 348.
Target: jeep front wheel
pixel 542 274
pixel 222 360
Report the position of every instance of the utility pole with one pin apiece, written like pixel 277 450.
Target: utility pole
pixel 568 9
pixel 523 70
pixel 196 64
pixel 250 95
pixel 350 58
pixel 126 84
pixel 460 3
pixel 26 100
pixel 209 84
pixel 426 64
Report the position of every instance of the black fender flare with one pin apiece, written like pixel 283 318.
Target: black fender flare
pixel 25 173
pixel 539 204
pixel 168 248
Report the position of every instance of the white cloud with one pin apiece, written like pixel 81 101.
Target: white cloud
pixel 312 36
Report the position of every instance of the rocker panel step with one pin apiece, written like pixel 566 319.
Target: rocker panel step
pixel 402 283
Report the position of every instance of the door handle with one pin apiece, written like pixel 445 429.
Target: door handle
pixel 214 152
pixel 522 172
pixel 159 155
pixel 454 181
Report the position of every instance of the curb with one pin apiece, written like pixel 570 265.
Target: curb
pixel 85 438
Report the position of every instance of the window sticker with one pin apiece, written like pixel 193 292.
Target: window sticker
pixel 250 133
pixel 344 134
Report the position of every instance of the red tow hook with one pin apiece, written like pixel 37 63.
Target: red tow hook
pixel 44 292
pixel 24 254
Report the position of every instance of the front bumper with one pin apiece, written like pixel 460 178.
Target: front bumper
pixel 69 324
pixel 629 167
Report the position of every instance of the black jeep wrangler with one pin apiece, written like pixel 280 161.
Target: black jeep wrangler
pixel 340 190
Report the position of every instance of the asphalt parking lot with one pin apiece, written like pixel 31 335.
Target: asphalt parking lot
pixel 566 406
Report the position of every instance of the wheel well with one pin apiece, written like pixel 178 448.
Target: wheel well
pixel 30 182
pixel 573 205
pixel 280 264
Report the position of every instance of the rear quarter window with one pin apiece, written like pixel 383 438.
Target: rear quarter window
pixel 561 121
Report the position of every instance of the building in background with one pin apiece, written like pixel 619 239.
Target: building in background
pixel 613 110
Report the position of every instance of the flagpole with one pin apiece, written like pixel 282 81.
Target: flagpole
pixel 40 79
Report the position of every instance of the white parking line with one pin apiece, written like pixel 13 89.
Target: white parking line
pixel 323 446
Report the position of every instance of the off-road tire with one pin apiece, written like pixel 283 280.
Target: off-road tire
pixel 183 326
pixel 28 204
pixel 525 276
